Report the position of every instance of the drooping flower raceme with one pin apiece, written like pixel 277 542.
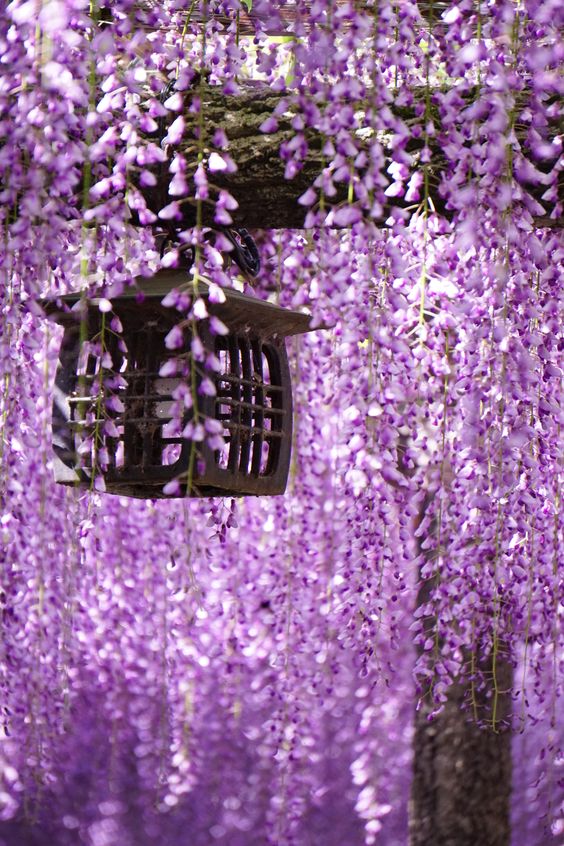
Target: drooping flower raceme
pixel 246 670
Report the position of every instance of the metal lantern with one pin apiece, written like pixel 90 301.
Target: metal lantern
pixel 115 410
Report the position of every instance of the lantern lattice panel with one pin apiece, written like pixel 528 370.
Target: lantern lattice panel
pixel 249 403
pixel 118 405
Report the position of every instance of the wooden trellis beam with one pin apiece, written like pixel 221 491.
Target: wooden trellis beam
pixel 266 198
pixel 289 16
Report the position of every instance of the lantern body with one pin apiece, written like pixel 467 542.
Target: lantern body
pixel 132 412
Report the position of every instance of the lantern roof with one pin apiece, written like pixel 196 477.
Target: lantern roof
pixel 239 310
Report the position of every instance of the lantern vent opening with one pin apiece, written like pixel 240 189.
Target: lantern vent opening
pixel 250 405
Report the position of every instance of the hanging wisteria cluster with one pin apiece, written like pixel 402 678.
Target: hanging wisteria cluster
pixel 246 670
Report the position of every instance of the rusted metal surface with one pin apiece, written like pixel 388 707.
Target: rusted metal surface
pixel 116 417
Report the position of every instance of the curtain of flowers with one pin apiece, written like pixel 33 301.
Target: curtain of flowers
pixel 246 670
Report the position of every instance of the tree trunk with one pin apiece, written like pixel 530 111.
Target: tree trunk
pixel 461 777
pixel 461 787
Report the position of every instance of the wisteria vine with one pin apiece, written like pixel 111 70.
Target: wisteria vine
pixel 247 669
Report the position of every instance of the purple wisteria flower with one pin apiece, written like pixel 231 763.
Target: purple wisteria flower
pixel 246 671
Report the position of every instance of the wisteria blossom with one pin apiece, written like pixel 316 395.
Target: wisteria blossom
pixel 246 670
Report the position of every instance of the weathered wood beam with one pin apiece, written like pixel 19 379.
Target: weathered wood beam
pixel 266 198
pixel 289 16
